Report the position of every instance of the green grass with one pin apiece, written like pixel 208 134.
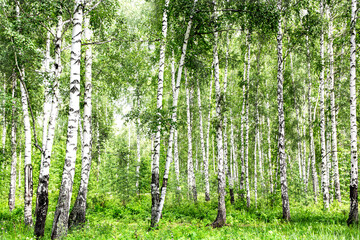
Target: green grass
pixel 111 219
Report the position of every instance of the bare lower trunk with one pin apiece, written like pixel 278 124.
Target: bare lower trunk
pixel 61 216
pixel 281 143
pixel 353 214
pixel 242 176
pixel 334 150
pixel 324 180
pixel 207 185
pixel 269 146
pixel 311 135
pixel 78 212
pixel 42 200
pixel 247 126
pixel 4 122
pixel 221 215
pixel 13 150
pixel 28 183
pixel 155 194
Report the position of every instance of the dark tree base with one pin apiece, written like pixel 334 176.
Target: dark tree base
pixel 353 214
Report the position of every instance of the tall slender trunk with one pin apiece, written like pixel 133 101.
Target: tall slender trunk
pixel 138 150
pixel 155 194
pixel 324 181
pixel 333 112
pixel 247 125
pixel 173 130
pixel 311 135
pixel 47 95
pixel 221 215
pixel 191 175
pixel 242 175
pixel 353 214
pixel 42 201
pixel 206 168
pixel 269 143
pixel 255 164
pixel 28 183
pixel 19 168
pixel 12 190
pixel 233 160
pixel 4 123
pixel 281 144
pixel 78 212
pixel 61 216
pixel 202 146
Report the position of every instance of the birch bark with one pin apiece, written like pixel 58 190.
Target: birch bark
pixel 353 214
pixel 281 143
pixel 28 183
pixel 324 180
pixel 42 200
pixel 333 111
pixel 78 212
pixel 247 126
pixel 12 190
pixel 221 215
pixel 61 217
pixel 155 194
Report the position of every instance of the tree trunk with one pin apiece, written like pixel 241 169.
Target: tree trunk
pixel 311 135
pixel 247 126
pixel 61 217
pixel 12 190
pixel 4 125
pixel 173 129
pixel 138 150
pixel 221 215
pixel 28 183
pixel 243 120
pixel 269 143
pixel 232 161
pixel 191 175
pixel 78 212
pixel 281 144
pixel 202 146
pixel 206 168
pixel 155 194
pixel 333 112
pixel 353 215
pixel 255 163
pixel 42 201
pixel 324 180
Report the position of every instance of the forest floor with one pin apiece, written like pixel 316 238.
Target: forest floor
pixel 112 219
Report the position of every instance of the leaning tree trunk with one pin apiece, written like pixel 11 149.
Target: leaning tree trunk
pixel 353 215
pixel 12 190
pixel 155 194
pixel 333 112
pixel 173 130
pixel 78 212
pixel 61 217
pixel 28 181
pixel 42 200
pixel 221 215
pixel 281 143
pixel 324 180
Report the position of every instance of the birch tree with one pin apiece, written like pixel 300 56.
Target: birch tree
pixel 12 189
pixel 281 139
pixel 61 217
pixel 78 212
pixel 353 214
pixel 155 195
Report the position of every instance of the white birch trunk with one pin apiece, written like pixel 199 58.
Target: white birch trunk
pixel 202 146
pixel 4 123
pixel 42 201
pixel 173 129
pixel 269 143
pixel 281 143
pixel 191 175
pixel 333 112
pixel 138 150
pixel 78 212
pixel 206 167
pixel 311 135
pixel 247 126
pixel 12 190
pixel 155 194
pixel 221 215
pixel 255 165
pixel 61 217
pixel 324 180
pixel 28 183
pixel 232 161
pixel 243 120
pixel 353 215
